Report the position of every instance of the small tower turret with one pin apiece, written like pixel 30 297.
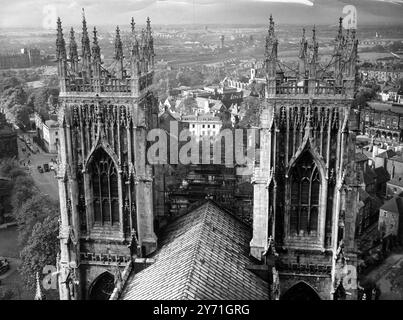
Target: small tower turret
pixel 73 53
pixel 338 54
pixel 61 56
pixel 313 63
pixel 134 52
pixel 86 50
pixel 150 45
pixel 303 52
pixel 38 292
pixel 118 54
pixel 271 59
pixel 96 56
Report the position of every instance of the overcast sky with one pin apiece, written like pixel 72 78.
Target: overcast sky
pixel 41 13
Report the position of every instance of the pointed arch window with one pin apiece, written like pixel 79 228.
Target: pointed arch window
pixel 105 191
pixel 305 190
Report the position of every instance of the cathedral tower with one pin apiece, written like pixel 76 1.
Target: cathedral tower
pixel 305 190
pixel 105 183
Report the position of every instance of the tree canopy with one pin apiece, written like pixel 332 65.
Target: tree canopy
pixel 41 249
pixel 251 118
pixel 37 218
pixel 32 211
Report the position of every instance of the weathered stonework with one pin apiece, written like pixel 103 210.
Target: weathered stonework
pixel 302 196
pixel 105 183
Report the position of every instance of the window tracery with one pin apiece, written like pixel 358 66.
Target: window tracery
pixel 305 191
pixel 105 191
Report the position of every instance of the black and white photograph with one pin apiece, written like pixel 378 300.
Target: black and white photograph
pixel 217 151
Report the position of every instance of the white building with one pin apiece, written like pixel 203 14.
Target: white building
pixel 48 132
pixel 51 135
pixel 203 125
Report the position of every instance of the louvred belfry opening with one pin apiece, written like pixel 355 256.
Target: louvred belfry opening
pixel 105 191
pixel 305 190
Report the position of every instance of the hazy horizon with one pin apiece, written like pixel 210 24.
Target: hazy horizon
pixel 42 13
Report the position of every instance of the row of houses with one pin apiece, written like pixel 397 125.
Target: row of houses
pixel 380 75
pixel 47 133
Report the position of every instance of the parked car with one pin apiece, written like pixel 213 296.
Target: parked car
pixel 46 167
pixel 40 169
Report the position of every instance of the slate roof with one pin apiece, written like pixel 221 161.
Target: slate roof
pixel 387 154
pixel 369 176
pixel 360 157
pixel 397 181
pixel 382 175
pixel 398 157
pixel 202 256
pixel 394 205
pixel 363 195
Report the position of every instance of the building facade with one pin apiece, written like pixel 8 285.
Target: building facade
pixel 105 182
pixel 305 190
pixel 8 139
pixel 26 59
pixel 380 75
pixel 203 125
pixel 48 133
pixel 383 123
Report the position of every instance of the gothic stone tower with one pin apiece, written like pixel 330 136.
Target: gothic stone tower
pixel 105 183
pixel 305 195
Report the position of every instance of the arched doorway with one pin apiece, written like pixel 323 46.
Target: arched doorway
pixel 102 287
pixel 301 292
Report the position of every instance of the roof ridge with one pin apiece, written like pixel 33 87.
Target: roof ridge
pixel 229 212
pixel 196 248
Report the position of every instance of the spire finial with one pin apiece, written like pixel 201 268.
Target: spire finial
pixel 60 44
pixel 73 46
pixel 59 28
pixel 133 24
pixel 85 41
pixel 148 23
pixel 340 33
pixel 271 26
pixel 95 36
pixel 148 28
pixel 118 45
pixel 96 50
pixel 84 24
pixel 38 293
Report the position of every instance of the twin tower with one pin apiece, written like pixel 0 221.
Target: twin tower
pixel 105 183
pixel 305 190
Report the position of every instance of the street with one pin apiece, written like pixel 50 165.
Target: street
pixel 9 247
pixel 385 274
pixel 10 250
pixel 46 181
